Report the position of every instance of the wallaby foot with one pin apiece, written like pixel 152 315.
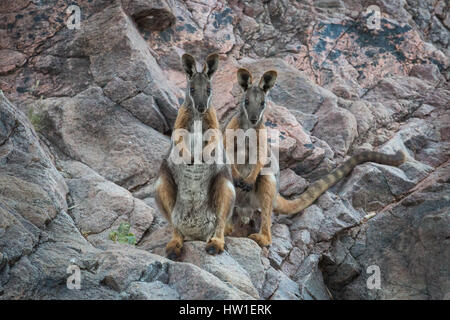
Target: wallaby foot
pixel 215 246
pixel 173 250
pixel 261 239
pixel 174 247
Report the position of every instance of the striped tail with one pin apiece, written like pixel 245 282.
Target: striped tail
pixel 284 206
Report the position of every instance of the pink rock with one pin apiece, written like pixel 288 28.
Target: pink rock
pixel 337 126
pixel 290 183
pixel 10 60
pixel 429 72
pixel 295 144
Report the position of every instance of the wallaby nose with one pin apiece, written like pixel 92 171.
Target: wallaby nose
pixel 254 120
pixel 201 107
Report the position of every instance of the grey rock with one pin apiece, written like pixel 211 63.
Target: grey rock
pixel 412 252
pixel 337 126
pixel 248 254
pixel 280 287
pixel 329 4
pixel 145 108
pixel 103 100
pixel 310 279
pixel 99 206
pixel 151 291
pixel 310 219
pixel 428 72
pixel 124 56
pixel 292 89
pixel 32 190
pixel 223 266
pixel 356 188
pixel 155 15
pixel 93 130
pixel 281 244
pixel 290 183
pixel 307 120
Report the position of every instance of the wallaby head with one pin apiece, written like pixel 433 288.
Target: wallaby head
pixel 198 89
pixel 253 102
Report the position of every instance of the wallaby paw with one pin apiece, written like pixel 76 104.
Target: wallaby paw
pixel 215 246
pixel 261 239
pixel 173 250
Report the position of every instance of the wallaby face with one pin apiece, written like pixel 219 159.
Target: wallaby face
pixel 253 101
pixel 198 89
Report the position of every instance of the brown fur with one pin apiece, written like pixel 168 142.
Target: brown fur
pixel 262 147
pixel 266 191
pixel 181 122
pixel 174 246
pixel 166 190
pixel 270 199
pixel 222 198
pixel 316 189
pixel 265 186
pixel 187 220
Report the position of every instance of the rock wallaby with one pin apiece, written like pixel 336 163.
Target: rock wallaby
pixel 260 191
pixel 196 198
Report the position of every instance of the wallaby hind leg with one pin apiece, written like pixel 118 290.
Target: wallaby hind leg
pixel 266 192
pixel 166 192
pixel 222 200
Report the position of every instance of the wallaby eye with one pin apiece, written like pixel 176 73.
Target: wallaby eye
pixel 192 90
pixel 262 104
pixel 208 90
pixel 246 102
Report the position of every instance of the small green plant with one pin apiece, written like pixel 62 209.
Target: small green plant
pixel 34 88
pixel 36 119
pixel 35 114
pixel 123 235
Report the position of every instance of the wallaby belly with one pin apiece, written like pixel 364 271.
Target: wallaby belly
pixel 249 199
pixel 193 215
pixel 246 199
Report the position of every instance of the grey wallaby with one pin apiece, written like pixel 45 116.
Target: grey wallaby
pixel 260 191
pixel 196 198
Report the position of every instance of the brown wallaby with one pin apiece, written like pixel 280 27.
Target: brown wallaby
pixel 197 199
pixel 260 191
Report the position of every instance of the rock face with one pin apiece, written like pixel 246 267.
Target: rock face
pixel 86 116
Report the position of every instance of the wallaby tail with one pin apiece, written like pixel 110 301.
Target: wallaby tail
pixel 284 206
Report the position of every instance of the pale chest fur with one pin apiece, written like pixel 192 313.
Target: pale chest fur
pixel 193 215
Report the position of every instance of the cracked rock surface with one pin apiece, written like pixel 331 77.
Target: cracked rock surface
pixel 86 117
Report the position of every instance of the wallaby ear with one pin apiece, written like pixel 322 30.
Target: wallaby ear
pixel 244 78
pixel 211 64
pixel 188 62
pixel 268 80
